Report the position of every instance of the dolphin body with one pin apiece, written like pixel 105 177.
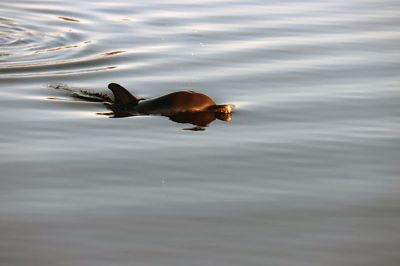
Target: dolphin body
pixel 186 107
pixel 173 103
pixel 181 106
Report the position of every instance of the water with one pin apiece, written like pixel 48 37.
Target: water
pixel 305 173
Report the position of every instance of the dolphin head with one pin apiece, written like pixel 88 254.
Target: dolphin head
pixel 221 109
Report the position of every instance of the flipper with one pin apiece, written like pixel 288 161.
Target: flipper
pixel 122 97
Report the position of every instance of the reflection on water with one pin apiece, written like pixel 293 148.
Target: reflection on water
pixel 306 174
pixel 63 47
pixel 114 52
pixel 69 19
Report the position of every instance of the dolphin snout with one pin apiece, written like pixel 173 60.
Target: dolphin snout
pixel 224 108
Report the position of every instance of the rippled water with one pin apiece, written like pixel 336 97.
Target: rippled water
pixel 306 173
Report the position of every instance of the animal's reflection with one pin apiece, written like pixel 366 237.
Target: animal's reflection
pixel 186 107
pixel 199 119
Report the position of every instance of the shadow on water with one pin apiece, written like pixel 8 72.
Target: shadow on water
pixel 200 120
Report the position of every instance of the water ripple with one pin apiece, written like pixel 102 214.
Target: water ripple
pixel 186 38
pixel 305 174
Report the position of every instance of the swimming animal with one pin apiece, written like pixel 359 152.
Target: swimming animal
pixel 170 104
pixel 181 106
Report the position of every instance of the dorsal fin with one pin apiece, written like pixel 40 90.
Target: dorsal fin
pixel 122 97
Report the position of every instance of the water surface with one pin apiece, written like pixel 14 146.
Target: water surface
pixel 306 173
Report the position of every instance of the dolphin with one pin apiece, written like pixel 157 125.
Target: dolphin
pixel 167 105
pixel 180 106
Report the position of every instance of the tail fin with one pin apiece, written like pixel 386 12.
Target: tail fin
pixel 122 97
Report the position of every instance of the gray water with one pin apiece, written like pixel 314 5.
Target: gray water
pixel 306 173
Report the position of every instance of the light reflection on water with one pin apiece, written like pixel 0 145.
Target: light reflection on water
pixel 306 173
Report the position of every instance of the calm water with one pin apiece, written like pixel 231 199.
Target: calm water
pixel 307 172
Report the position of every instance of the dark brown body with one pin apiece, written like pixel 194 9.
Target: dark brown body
pixel 181 106
pixel 176 102
pixel 173 103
